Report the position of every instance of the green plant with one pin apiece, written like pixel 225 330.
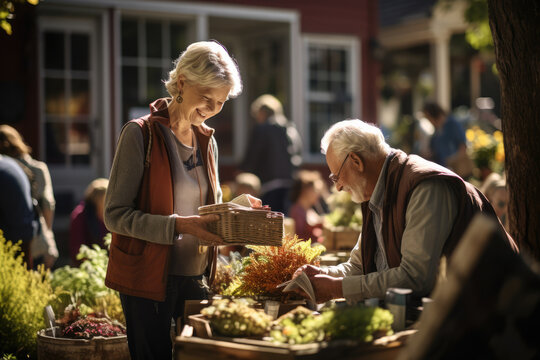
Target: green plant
pixel 268 266
pixel 23 297
pixel 343 211
pixel 84 286
pixel 7 11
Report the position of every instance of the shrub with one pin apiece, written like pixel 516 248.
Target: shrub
pixel 23 297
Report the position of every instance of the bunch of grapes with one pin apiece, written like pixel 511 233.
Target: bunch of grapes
pixel 236 318
pixel 357 322
pixel 299 326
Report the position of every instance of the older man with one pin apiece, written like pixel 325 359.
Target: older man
pixel 414 211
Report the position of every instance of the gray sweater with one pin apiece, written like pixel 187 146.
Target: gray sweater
pixel 190 185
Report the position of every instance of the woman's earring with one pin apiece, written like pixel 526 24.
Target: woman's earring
pixel 179 99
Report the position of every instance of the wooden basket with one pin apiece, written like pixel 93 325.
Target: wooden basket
pixel 241 225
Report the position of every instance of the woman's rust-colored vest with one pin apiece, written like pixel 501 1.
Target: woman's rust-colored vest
pixel 404 173
pixel 137 267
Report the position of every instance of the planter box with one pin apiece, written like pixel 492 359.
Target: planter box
pixel 97 348
pixel 194 307
pixel 189 347
pixel 340 239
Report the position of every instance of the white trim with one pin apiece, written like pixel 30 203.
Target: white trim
pixel 202 27
pixel 117 56
pixel 228 11
pixel 106 157
pixel 296 75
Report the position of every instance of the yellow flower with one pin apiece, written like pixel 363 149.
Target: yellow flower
pixel 498 135
pixel 470 135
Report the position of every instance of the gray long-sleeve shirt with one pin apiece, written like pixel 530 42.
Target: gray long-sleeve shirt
pixel 430 214
pixel 122 216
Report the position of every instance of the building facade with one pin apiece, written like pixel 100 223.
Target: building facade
pixel 77 70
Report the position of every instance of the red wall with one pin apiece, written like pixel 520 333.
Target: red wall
pixel 18 64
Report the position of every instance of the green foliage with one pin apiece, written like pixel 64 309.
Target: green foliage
pixel 343 211
pixel 301 326
pixel 85 285
pixel 478 33
pixel 298 326
pixel 236 318
pixel 7 12
pixel 357 322
pixel 23 297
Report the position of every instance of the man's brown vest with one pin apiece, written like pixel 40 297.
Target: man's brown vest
pixel 137 267
pixel 403 174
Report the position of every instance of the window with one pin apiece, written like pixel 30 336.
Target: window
pixel 149 47
pixel 68 73
pixel 330 86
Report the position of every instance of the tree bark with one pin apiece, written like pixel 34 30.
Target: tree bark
pixel 515 26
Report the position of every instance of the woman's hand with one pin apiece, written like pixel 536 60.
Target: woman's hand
pixel 196 226
pixel 254 202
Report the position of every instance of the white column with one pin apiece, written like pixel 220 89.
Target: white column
pixel 442 69
pixel 202 27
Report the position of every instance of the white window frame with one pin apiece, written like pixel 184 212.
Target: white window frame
pixel 200 13
pixel 350 44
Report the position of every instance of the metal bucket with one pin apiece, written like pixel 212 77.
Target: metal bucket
pixel 97 348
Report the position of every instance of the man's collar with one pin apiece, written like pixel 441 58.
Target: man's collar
pixel 377 198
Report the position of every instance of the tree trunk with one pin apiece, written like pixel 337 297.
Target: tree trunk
pixel 515 26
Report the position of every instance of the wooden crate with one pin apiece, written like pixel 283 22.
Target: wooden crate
pixel 188 347
pixel 343 239
pixel 194 307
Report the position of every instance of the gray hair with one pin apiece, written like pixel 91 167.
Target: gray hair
pixel 355 136
pixel 208 64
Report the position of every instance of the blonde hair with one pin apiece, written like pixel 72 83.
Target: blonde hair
pixel 355 136
pixel 208 64
pixel 12 143
pixel 271 106
pixel 96 189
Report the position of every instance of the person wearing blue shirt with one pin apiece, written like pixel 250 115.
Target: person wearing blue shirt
pixel 448 143
pixel 449 136
pixel 17 217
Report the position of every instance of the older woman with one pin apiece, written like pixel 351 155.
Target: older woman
pixel 164 168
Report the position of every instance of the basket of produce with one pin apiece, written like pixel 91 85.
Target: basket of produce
pixel 242 225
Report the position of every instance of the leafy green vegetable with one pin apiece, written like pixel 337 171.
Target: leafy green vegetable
pixel 85 287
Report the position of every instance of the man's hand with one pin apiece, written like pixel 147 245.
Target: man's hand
pixel 310 271
pixel 326 287
pixel 196 226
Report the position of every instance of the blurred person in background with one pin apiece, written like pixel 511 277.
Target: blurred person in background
pixel 273 151
pixel 17 217
pixel 247 183
pixel 448 143
pixel 306 193
pixel 494 187
pixel 86 222
pixel 165 167
pixel 43 246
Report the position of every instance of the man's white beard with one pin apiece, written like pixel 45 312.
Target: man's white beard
pixel 357 190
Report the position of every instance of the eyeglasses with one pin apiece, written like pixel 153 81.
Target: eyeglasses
pixel 335 178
